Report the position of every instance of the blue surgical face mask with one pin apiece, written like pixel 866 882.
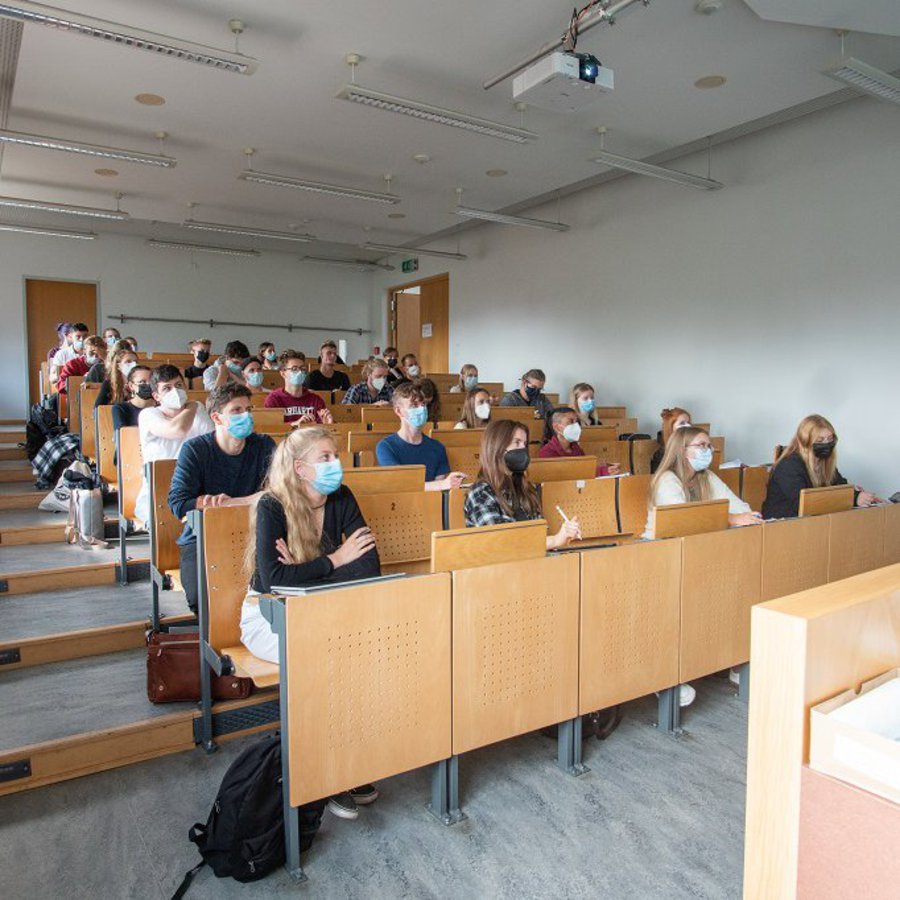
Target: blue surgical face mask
pixel 234 366
pixel 296 379
pixel 91 359
pixel 240 425
pixel 471 382
pixel 254 379
pixel 587 406
pixel 77 344
pixel 111 340
pixel 329 476
pixel 417 416
pixel 701 460
pixel 270 355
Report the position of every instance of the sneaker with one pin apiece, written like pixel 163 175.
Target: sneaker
pixel 343 805
pixel 686 695
pixel 364 794
pixel 735 677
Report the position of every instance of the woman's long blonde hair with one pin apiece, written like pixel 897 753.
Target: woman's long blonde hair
pixel 587 419
pixel 282 482
pixel 675 460
pixel 117 381
pixel 467 369
pixel 821 471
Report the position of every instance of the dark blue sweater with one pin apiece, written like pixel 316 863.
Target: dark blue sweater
pixel 202 468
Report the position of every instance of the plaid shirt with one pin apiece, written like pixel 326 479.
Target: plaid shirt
pixel 51 453
pixel 482 508
pixel 359 393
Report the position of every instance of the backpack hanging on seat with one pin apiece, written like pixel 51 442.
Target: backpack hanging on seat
pixel 243 838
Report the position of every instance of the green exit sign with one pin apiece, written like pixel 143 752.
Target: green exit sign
pixel 409 265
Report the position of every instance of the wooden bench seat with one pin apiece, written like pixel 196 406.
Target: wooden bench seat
pixel 263 674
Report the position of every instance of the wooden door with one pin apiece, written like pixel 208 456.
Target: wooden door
pixel 407 322
pixel 46 304
pixel 419 321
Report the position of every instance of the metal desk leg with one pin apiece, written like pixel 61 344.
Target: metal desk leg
pixel 123 551
pixel 568 752
pixel 669 720
pixel 444 805
pixel 744 682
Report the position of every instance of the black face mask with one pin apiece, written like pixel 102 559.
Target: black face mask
pixel 823 449
pixel 202 356
pixel 144 391
pixel 516 460
pixel 391 361
pixel 531 391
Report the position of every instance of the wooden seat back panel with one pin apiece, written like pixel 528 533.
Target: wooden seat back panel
pixel 368 671
pixel 385 479
pixel 683 519
pixel 855 542
pixel 225 532
pixel 754 483
pixel 565 468
pixel 795 556
pixel 164 527
pixel 824 500
pixel 130 466
pixel 593 503
pixel 633 493
pixel 892 534
pixel 466 548
pixel 106 444
pixel 466 460
pixel 403 523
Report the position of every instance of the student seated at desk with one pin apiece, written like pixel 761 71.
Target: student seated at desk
pixel 201 349
pixel 326 377
pixel 228 368
pixel 395 373
pixel 561 434
pixel 476 411
pixel 300 405
pixel 139 395
pixel 375 389
pixel 226 467
pixel 252 373
pixel 131 340
pixel 409 447
pixel 268 357
pixel 673 418
pixel 306 530
pixel 529 394
pixel 432 399
pixel 165 428
pixel 119 364
pixel 684 477
pixel 92 352
pixel 111 337
pixel 502 492
pixel 468 380
pixel 809 461
pixel 63 339
pixel 581 399
pixel 74 345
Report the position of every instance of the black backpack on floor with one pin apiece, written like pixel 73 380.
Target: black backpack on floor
pixel 243 838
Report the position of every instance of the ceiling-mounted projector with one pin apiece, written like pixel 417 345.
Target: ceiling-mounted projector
pixel 563 81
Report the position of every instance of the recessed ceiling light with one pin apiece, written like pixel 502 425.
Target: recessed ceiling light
pixel 710 81
pixel 496 173
pixel 396 215
pixel 106 173
pixel 150 99
pixel 422 158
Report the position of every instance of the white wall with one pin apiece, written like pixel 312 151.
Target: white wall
pixel 751 306
pixel 274 288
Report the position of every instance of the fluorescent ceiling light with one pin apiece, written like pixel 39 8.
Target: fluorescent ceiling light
pixel 249 232
pixel 361 265
pixel 419 110
pixel 126 36
pixel 48 232
pixel 468 212
pixel 49 143
pixel 301 184
pixel 866 78
pixel 408 251
pixel 201 248
pixel 642 168
pixel 66 208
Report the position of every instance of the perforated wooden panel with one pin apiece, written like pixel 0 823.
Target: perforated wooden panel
pixel 632 501
pixel 720 583
pixel 593 503
pixel 641 453
pixel 368 670
pixel 754 481
pixel 87 398
pixel 795 556
pixel 165 527
pixel 225 533
pixel 856 542
pixel 630 617
pixel 403 523
pixel 892 534
pixel 342 413
pixel 106 444
pixel 130 470
pixel 456 501
pixel 515 649
pixel 465 459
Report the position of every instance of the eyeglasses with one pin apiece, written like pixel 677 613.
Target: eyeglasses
pixel 703 446
pixel 295 368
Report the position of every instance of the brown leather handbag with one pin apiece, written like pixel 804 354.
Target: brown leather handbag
pixel 173 671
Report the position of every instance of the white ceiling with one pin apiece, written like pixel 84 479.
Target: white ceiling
pixel 75 87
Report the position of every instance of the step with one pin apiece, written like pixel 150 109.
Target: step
pixel 12 451
pixel 15 495
pixel 45 739
pixel 12 434
pixel 34 526
pixel 16 423
pixel 45 628
pixel 14 471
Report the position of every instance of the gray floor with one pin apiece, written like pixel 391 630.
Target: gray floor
pixel 28 557
pixel 34 615
pixel 656 817
pixel 25 518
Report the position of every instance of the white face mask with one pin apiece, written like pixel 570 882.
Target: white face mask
pixel 483 411
pixel 572 432
pixel 174 399
pixel 378 383
pixel 413 370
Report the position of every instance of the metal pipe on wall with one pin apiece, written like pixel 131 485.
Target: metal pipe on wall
pixel 122 318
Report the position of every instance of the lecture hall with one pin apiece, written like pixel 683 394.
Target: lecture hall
pixel 445 450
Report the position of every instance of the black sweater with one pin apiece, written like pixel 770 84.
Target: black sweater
pixel 342 518
pixel 788 478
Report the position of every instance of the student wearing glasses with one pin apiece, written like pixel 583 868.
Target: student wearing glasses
pixel 300 405
pixel 530 394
